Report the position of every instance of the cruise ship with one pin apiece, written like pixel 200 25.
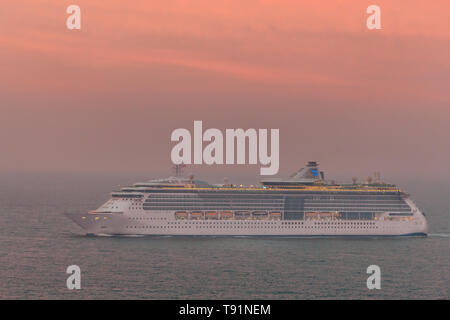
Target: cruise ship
pixel 303 205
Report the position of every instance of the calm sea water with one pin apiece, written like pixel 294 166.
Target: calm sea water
pixel 38 243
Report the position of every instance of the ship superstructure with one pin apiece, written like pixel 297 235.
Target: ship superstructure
pixel 302 205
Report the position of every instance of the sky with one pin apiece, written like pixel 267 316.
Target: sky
pixel 107 97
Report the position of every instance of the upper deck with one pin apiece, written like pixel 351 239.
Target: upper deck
pixel 308 180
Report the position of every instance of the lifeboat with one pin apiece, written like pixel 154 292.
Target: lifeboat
pixel 226 215
pixel 326 214
pixel 312 215
pixel 260 214
pixel 181 215
pixel 242 214
pixel 212 215
pixel 197 215
pixel 275 215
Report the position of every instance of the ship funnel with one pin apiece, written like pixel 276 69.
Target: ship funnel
pixel 309 174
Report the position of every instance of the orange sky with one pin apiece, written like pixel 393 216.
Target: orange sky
pixel 108 96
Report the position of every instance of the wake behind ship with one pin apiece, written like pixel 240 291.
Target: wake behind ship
pixel 303 205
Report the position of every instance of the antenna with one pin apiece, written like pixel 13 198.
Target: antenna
pixel 178 168
pixel 377 177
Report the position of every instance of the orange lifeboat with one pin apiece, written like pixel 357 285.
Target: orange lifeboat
pixel 275 215
pixel 226 215
pixel 212 215
pixel 197 215
pixel 181 215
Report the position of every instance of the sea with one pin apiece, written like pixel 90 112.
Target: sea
pixel 37 244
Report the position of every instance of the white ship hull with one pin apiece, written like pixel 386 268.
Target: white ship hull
pixel 141 222
pixel 303 205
